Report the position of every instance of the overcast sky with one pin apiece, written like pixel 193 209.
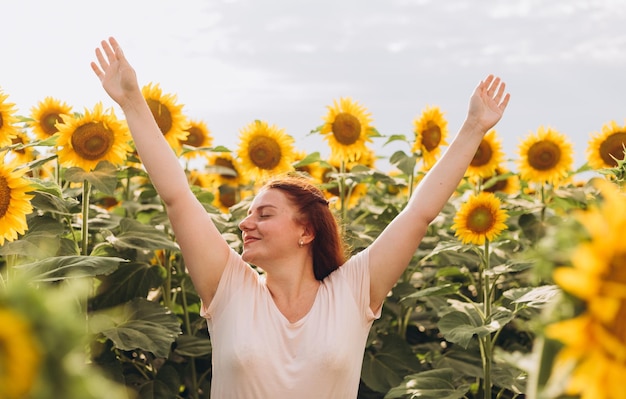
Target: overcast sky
pixel 283 61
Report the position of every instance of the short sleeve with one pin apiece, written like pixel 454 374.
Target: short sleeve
pixel 357 275
pixel 235 276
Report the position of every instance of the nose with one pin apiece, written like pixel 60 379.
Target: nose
pixel 245 224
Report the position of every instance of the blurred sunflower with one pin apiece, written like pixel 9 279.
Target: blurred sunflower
pixel 96 136
pixel 431 131
pixel 223 168
pixel 14 201
pixel 25 154
pixel 46 115
pixel 607 147
pixel 265 150
pixel 480 218
pixel 20 356
pixel 546 156
pixel 8 130
pixel 488 156
pixel 198 136
pixel 595 341
pixel 347 129
pixel 502 180
pixel 168 115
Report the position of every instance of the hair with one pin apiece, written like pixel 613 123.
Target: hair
pixel 327 247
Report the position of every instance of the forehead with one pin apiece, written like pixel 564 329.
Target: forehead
pixel 270 198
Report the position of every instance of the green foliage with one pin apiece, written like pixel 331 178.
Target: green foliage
pixel 439 335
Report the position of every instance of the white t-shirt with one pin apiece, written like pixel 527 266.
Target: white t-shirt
pixel 258 353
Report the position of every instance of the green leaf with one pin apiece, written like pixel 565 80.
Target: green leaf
pixel 136 235
pixel 138 324
pixel 431 384
pixel 404 162
pixel 446 289
pixel 63 267
pixel 464 321
pixel 103 177
pixel 187 345
pixel 52 201
pixel 534 297
pixel 384 368
pixel 127 282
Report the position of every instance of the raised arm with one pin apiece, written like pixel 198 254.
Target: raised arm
pixel 391 252
pixel 203 248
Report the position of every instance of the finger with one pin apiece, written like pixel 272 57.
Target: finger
pixel 108 51
pixel 117 48
pixel 487 82
pixel 97 70
pixel 499 93
pixel 103 63
pixel 492 87
pixel 505 101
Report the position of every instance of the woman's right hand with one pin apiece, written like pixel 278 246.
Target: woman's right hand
pixel 117 76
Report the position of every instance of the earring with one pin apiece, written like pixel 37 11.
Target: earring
pixel 300 243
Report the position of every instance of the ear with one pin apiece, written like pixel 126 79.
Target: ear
pixel 307 235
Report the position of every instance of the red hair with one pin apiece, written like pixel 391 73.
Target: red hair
pixel 327 247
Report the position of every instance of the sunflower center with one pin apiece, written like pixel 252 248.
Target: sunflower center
pixel 18 140
pixel 228 195
pixel 544 155
pixel 431 136
pixel 1 121
pixel 483 154
pixel 49 121
pixel 346 128
pixel 92 140
pixel 264 152
pixel 5 196
pixel 194 138
pixel 613 148
pixel 480 220
pixel 161 114
pixel 226 163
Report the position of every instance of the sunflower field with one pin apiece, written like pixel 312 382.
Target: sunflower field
pixel 517 291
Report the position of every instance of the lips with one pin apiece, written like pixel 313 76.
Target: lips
pixel 248 240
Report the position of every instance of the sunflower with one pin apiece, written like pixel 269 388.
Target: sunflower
pixel 20 356
pixel 431 131
pixel 96 136
pixel 14 201
pixel 46 115
pixel 606 148
pixel 198 136
pixel 167 114
pixel 223 168
pixel 502 180
pixel 595 341
pixel 25 154
pixel 265 150
pixel 546 156
pixel 480 219
pixel 347 129
pixel 488 156
pixel 8 130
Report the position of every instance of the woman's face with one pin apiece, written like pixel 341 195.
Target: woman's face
pixel 270 231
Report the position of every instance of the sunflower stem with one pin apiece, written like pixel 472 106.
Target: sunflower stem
pixel 486 341
pixel 342 195
pixel 194 372
pixel 85 210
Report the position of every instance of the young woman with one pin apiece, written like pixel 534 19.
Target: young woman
pixel 300 329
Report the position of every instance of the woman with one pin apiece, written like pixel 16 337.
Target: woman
pixel 300 329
